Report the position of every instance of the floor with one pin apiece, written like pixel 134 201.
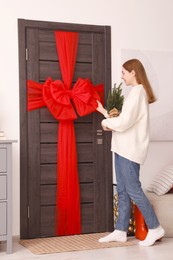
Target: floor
pixel 160 251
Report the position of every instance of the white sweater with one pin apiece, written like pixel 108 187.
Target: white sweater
pixel 130 130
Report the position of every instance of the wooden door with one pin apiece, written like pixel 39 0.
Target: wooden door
pixel 38 131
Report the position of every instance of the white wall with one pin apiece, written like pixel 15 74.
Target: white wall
pixel 136 24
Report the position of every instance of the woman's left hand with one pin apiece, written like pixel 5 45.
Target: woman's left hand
pixel 105 128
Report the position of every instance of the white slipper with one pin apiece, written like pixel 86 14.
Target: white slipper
pixel 116 235
pixel 152 236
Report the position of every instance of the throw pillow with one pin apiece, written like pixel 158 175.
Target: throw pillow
pixel 163 182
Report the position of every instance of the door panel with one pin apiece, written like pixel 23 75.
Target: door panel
pixel 39 131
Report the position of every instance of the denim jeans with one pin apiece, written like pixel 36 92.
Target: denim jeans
pixel 129 188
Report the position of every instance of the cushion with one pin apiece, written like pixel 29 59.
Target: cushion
pixel 163 182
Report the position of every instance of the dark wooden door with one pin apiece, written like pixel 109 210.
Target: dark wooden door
pixel 38 131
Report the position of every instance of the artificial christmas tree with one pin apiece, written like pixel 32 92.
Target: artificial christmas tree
pixel 115 101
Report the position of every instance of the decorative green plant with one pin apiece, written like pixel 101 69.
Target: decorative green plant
pixel 115 101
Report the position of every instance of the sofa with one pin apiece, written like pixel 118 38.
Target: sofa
pixel 160 194
pixel 163 207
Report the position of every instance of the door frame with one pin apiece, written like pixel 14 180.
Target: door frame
pixel 22 27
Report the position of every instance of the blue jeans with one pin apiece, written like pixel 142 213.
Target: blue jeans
pixel 129 188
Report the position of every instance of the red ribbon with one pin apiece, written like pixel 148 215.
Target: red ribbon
pixel 63 102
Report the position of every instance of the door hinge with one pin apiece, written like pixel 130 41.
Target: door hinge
pixel 26 54
pixel 28 212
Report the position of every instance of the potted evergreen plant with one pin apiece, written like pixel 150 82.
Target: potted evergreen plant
pixel 115 101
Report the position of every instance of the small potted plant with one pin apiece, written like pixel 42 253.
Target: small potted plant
pixel 115 101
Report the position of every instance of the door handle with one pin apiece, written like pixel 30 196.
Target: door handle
pixel 99 131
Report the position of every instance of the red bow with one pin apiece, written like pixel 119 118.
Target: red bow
pixel 61 101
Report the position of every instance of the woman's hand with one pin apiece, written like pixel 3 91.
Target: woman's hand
pixel 101 109
pixel 105 128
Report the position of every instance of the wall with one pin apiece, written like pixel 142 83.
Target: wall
pixel 144 24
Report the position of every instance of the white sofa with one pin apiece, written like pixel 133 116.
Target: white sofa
pixel 163 207
pixel 158 193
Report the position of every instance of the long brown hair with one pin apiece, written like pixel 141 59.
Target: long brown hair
pixel 141 77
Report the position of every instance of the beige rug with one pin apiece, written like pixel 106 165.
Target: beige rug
pixel 69 243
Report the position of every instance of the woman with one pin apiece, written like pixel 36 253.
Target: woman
pixel 130 140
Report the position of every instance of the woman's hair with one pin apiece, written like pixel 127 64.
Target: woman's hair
pixel 141 77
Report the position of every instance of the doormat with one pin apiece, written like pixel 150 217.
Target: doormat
pixel 62 244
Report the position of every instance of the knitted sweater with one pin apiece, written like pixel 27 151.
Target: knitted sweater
pixel 130 130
